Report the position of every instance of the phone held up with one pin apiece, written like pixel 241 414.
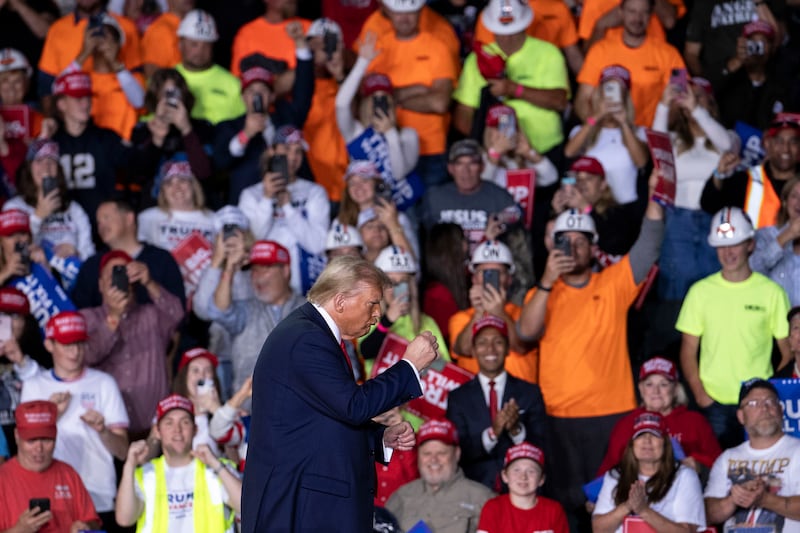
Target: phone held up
pixel 279 164
pixel 258 104
pixel 380 101
pixel 679 78
pixel 119 278
pixel 562 243
pixel 42 503
pixel 491 276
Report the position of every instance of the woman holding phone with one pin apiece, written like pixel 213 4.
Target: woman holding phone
pixel 58 225
pixel 375 109
pixel 610 136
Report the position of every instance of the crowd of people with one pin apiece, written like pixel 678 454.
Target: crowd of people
pixel 175 175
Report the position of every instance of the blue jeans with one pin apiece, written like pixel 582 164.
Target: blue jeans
pixel 724 423
pixel 686 256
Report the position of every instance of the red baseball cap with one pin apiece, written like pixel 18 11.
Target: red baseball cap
pixel 14 301
pixel 114 254
pixel 36 420
pixel 171 402
pixel 489 321
pixel 254 74
pixel 497 111
pixel 588 164
pixel 658 365
pixel 649 422
pixel 14 221
pixel 442 430
pixel 67 327
pixel 75 84
pixel 616 72
pixel 269 253
pixel 524 450
pixel 190 355
pixel 759 26
pixel 376 82
pixel 783 121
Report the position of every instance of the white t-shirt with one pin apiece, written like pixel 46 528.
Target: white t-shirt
pixel 778 466
pixel 180 496
pixel 77 444
pixel 621 172
pixel 70 226
pixel 167 229
pixel 682 504
pixel 202 436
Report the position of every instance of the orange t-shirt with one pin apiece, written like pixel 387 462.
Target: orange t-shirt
pixel 584 367
pixel 267 39
pixel 552 22
pixel 429 21
pixel 65 39
pixel 160 42
pixel 327 155
pixel 650 66
pixel 421 60
pixel 110 107
pixel 593 10
pixel 522 365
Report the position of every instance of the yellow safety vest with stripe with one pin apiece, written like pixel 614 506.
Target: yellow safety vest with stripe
pixel 761 201
pixel 208 507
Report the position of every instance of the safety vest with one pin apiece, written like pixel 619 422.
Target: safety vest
pixel 761 202
pixel 208 507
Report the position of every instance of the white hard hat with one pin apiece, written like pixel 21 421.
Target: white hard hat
pixel 395 259
pixel 342 236
pixel 507 17
pixel 198 25
pixel 322 26
pixel 13 59
pixel 404 6
pixel 492 252
pixel 230 215
pixel 730 226
pixel 574 220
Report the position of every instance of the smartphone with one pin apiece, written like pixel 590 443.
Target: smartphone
pixel 5 327
pixel 491 276
pixel 95 26
pixel 400 291
pixel 381 102
pixel 562 243
pixel 507 126
pixel 383 191
pixel 42 503
pixel 568 180
pixel 330 41
pixel 612 92
pixel 229 230
pixel 680 79
pixel 119 278
pixel 280 164
pixel 755 48
pixel 173 96
pixel 205 386
pixel 24 253
pixel 49 184
pixel 258 104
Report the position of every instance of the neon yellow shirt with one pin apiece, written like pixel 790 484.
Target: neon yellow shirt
pixel 736 323
pixel 217 93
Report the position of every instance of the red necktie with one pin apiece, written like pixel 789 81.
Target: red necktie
pixel 347 358
pixel 492 401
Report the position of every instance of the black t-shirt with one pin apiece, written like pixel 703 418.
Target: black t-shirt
pixel 716 24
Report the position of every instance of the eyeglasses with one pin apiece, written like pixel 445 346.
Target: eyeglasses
pixel 769 403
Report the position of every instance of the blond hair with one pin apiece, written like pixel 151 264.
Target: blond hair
pixel 343 275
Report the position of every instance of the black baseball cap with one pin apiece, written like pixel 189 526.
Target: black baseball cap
pixel 755 383
pixel 792 312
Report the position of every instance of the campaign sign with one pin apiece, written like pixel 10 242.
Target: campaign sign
pixel 663 160
pixel 789 394
pixel 752 150
pixel 193 255
pixel 437 381
pixel 17 119
pixel 521 184
pixel 311 266
pixel 45 295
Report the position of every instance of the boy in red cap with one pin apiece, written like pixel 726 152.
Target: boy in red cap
pixel 522 510
pixel 62 503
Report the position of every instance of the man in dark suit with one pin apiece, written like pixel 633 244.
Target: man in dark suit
pixel 310 460
pixel 488 427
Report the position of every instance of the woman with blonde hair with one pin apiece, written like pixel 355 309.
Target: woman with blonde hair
pixel 610 136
